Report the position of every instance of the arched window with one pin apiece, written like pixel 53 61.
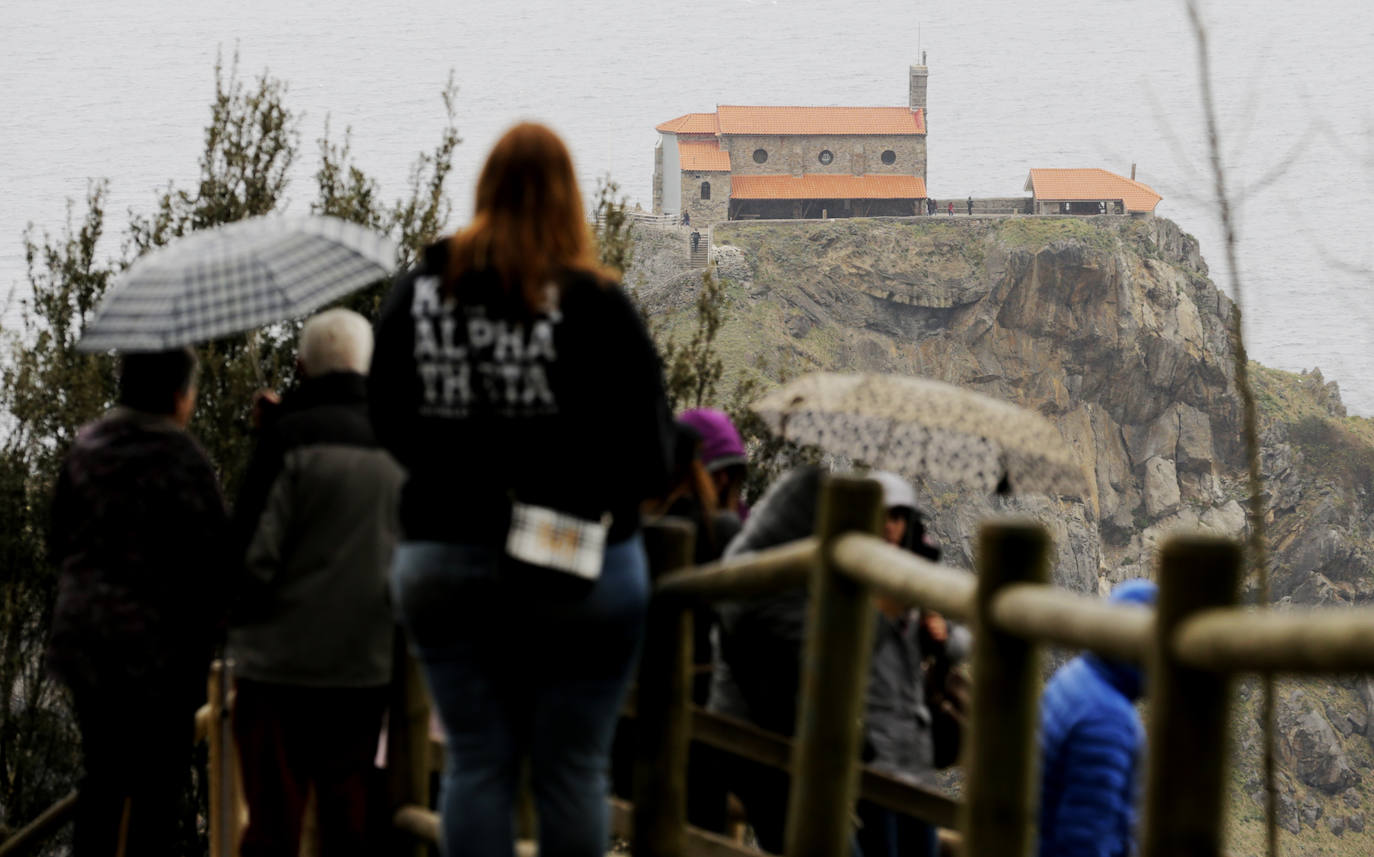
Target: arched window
pixel 705 190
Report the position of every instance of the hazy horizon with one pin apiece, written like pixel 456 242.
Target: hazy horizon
pixel 123 92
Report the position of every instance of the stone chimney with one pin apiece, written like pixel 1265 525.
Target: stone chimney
pixel 919 75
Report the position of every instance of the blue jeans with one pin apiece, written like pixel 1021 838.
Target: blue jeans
pixel 517 677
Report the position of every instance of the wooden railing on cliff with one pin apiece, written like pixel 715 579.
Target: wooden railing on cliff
pixel 1192 644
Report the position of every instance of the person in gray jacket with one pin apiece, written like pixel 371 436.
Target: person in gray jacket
pixel 312 634
pixel 898 736
pixel 756 669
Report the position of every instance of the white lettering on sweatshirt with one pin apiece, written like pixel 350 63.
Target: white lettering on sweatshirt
pixel 507 359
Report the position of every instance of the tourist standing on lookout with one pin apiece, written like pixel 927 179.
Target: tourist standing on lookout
pixel 517 385
pixel 311 636
pixel 951 208
pixel 141 541
pixel 970 206
pixel 1091 741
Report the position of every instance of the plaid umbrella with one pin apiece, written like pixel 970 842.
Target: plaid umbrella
pixel 925 428
pixel 234 278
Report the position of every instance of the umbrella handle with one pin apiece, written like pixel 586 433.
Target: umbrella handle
pixel 255 355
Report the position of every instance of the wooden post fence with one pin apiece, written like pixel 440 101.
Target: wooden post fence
pixel 662 699
pixel 226 797
pixel 1000 760
pixel 407 749
pixel 839 641
pixel 1185 789
pixel 1192 642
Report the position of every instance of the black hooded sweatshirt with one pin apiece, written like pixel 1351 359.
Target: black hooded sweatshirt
pixel 484 402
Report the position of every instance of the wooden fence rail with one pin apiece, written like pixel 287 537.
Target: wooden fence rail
pixel 1192 644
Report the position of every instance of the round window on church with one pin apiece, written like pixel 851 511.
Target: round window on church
pixel 760 155
pixel 825 157
pixel 889 157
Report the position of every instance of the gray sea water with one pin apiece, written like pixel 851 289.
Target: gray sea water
pixel 121 90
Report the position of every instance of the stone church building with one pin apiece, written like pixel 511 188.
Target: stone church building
pixel 791 162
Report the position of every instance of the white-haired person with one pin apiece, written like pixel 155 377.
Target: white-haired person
pixel 311 632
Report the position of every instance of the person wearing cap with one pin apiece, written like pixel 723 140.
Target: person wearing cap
pixel 898 735
pixel 1091 741
pixel 726 460
pixel 692 497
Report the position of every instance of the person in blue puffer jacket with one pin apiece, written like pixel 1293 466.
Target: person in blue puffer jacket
pixel 1091 740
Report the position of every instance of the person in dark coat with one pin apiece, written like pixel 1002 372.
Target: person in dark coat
pixel 686 218
pixel 696 240
pixel 140 537
pixel 970 206
pixel 312 639
pixel 517 385
pixel 1091 741
pixel 930 206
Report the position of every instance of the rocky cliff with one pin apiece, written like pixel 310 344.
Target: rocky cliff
pixel 1111 328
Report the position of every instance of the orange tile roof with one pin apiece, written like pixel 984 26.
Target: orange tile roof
pixel 819 120
pixel 703 156
pixel 827 186
pixel 690 123
pixel 1091 184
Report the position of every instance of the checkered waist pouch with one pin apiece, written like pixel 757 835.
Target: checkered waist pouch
pixel 554 540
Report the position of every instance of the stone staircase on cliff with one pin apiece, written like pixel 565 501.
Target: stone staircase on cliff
pixel 701 256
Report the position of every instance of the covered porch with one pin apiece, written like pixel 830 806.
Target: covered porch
pixel 785 197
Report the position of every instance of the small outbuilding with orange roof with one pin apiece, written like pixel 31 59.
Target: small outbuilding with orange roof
pixel 783 162
pixel 1088 191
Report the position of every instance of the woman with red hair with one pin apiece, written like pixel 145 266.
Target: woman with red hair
pixel 515 382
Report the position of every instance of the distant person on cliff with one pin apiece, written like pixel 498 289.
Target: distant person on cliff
pixel 930 206
pixel 696 240
pixel 1091 741
pixel 951 208
pixel 970 206
pixel 686 218
pixel 311 639
pixel 141 541
pixel 517 385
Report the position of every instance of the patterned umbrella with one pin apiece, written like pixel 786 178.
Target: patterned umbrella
pixel 920 427
pixel 234 278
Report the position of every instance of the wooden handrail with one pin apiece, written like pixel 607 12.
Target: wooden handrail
pixel 1048 614
pixel 1308 640
pixel 904 575
pixel 769 748
pixel 788 566
pixel 48 821
pixel 999 797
